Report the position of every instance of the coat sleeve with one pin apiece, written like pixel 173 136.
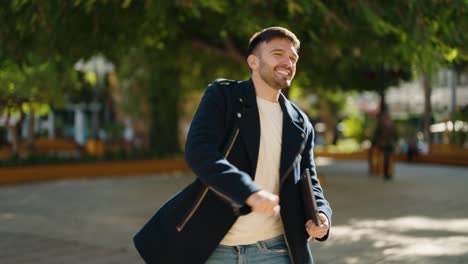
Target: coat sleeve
pixel 203 150
pixel 309 162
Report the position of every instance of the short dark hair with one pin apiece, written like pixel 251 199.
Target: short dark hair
pixel 270 33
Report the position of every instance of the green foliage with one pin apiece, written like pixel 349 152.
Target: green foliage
pixel 347 145
pixel 346 45
pixel 337 37
pixel 353 127
pixel 462 114
pixel 113 130
pixel 41 159
pixel 460 136
pixel 40 83
pixel 334 101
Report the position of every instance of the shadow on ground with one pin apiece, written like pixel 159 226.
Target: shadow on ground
pixel 419 217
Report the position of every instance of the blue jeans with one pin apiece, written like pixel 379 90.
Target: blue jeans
pixel 271 251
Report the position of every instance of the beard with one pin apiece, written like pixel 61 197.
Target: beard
pixel 275 82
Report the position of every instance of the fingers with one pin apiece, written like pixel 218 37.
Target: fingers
pixel 318 231
pixel 264 202
pixel 276 210
pixel 323 218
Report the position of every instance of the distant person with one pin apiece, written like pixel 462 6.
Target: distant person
pixel 385 138
pixel 248 145
pixel 421 144
pixel 412 149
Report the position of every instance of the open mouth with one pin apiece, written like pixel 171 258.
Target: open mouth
pixel 285 73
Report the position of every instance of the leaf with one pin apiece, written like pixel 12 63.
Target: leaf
pixel 451 55
pixel 91 77
pixel 126 3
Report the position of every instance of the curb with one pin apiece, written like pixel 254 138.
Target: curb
pixel 14 175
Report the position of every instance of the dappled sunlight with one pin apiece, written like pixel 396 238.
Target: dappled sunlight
pixel 403 238
pixel 412 223
pixel 352 260
pixel 322 161
pixel 456 245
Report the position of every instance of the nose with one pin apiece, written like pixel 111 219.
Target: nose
pixel 291 61
pixel 287 61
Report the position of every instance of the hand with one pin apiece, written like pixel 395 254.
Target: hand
pixel 318 231
pixel 264 202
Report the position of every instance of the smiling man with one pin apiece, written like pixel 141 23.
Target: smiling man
pixel 273 62
pixel 248 145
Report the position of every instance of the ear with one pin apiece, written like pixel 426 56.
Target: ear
pixel 252 61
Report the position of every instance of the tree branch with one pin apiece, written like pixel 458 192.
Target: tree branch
pixel 229 50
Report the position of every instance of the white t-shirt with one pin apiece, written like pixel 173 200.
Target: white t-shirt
pixel 254 227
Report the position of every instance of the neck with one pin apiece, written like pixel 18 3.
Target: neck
pixel 265 91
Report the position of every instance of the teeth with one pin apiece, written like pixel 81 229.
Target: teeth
pixel 284 72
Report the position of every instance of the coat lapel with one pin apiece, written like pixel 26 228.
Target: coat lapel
pixel 293 135
pixel 293 131
pixel 250 123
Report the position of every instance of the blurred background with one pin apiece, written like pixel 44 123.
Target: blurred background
pixel 102 81
pixel 93 77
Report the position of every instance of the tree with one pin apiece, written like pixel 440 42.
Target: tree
pixel 351 45
pixel 432 33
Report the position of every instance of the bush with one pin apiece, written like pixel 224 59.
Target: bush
pixel 54 159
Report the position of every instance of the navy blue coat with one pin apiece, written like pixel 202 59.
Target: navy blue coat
pixel 222 150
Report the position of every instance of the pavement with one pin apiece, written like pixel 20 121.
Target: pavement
pixel 421 216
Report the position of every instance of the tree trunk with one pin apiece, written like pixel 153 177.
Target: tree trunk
pixel 383 108
pixel 12 129
pixel 329 119
pixel 426 78
pixel 383 104
pixel 15 131
pixel 453 104
pixel 382 86
pixel 31 123
pixel 164 100
pixel 14 140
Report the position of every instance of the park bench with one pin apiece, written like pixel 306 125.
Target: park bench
pixel 5 152
pixel 46 146
pixel 445 154
pixel 56 146
pixel 448 149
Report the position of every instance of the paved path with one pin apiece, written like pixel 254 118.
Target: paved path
pixel 419 217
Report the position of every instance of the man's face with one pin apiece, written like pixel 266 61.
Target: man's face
pixel 276 62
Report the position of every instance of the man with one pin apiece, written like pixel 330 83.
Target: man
pixel 385 138
pixel 248 146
